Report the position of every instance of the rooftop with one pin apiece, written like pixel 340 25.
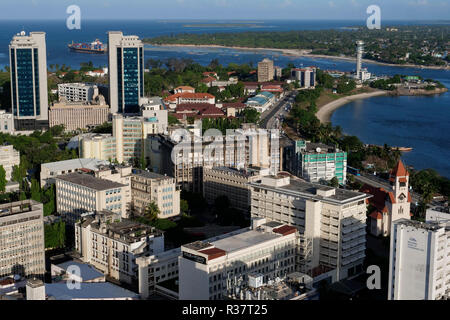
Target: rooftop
pixel 89 181
pixel 100 290
pixel 151 175
pixel 91 164
pixel 429 226
pixel 87 272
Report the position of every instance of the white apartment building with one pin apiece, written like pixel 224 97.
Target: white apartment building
pixel 6 122
pixel 75 116
pixel 147 187
pixel 210 270
pixel 305 76
pixel 9 157
pixel 28 69
pixel 154 111
pixel 232 183
pixel 241 148
pixel 331 222
pixel 77 92
pixel 265 70
pixel 419 261
pixel 22 242
pixel 129 138
pixel 112 244
pixel 50 170
pixel 439 214
pixel 77 193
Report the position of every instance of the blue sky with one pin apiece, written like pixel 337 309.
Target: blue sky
pixel 227 9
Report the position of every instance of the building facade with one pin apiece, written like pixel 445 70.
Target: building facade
pixel 28 70
pixel 419 261
pixel 331 222
pixel 126 72
pixel 77 193
pixel 147 187
pixel 265 70
pixel 77 116
pixel 22 242
pixel 6 122
pixel 77 92
pixel 305 76
pixel 9 157
pixel 112 245
pixel 211 270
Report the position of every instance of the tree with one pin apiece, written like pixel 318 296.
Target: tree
pixel 2 179
pixel 334 182
pixel 151 212
pixel 35 190
pixel 184 206
pixel 172 119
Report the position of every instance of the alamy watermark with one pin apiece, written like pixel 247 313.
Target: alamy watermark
pixel 374 20
pixel 74 20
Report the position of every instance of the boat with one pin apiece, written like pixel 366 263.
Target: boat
pixel 94 47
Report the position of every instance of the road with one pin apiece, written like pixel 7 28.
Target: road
pixel 268 117
pixel 380 183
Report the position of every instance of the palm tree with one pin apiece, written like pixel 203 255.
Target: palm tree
pixel 151 212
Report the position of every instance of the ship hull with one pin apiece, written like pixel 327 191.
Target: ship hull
pixel 87 50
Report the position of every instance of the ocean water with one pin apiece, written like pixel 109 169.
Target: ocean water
pixel 418 122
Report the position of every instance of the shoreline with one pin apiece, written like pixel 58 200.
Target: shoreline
pixel 325 112
pixel 300 53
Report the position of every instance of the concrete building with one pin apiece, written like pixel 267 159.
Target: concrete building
pixel 419 261
pixel 439 214
pixel 155 112
pixel 49 171
pixel 28 69
pixel 182 89
pixel 77 92
pixel 22 245
pixel 331 223
pixel 242 148
pixel 147 187
pixel 265 70
pixel 262 101
pixel 77 193
pixel 126 72
pixel 305 76
pixel 277 71
pixel 112 244
pixel 9 157
pixel 315 162
pixel 359 54
pixel 77 116
pixel 6 122
pixel 389 205
pixel 35 289
pixel 128 142
pixel 232 183
pixel 189 97
pixel 212 270
pixel 64 272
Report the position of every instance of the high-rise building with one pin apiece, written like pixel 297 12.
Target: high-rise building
pixel 28 68
pixel 306 77
pixel 419 261
pixel 331 223
pixel 22 245
pixel 359 55
pixel 126 72
pixel 315 161
pixel 77 92
pixel 265 70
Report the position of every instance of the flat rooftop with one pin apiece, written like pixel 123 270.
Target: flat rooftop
pixel 89 181
pixel 91 164
pixel 100 290
pixel 150 175
pixel 87 272
pixel 309 190
pixel 18 207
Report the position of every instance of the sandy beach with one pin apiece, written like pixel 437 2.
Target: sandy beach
pixel 325 112
pixel 304 53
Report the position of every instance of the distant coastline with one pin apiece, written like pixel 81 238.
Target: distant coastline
pixel 300 53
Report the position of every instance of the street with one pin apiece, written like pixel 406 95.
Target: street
pixel 268 117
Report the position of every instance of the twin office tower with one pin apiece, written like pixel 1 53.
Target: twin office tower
pixel 28 69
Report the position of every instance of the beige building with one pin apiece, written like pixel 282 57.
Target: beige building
pixel 98 146
pixel 265 70
pixel 232 183
pixel 77 92
pixel 6 122
pixel 22 242
pixel 331 222
pixel 9 157
pixel 147 187
pixel 77 116
pixel 78 193
pixel 112 244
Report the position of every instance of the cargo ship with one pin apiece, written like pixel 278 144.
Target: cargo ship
pixel 94 47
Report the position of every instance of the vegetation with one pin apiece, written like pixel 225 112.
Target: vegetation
pixel 55 235
pixel 2 179
pixel 380 45
pixel 103 128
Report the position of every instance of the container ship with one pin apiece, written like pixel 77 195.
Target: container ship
pixel 94 47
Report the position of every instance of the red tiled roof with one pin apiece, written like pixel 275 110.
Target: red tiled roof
pixel 185 88
pixel 285 230
pixel 376 215
pixel 190 95
pixel 391 197
pixel 208 79
pixel 213 253
pixel 404 180
pixel 237 105
pixel 379 196
pixel 399 170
